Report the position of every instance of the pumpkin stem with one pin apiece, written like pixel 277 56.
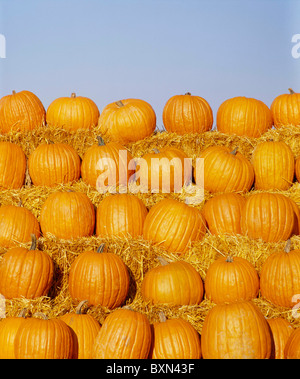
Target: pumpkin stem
pixel 13 92
pixel 287 247
pixel 119 103
pixel 22 313
pixel 20 204
pixel 40 315
pixel 188 93
pixel 162 261
pixel 229 259
pixel 162 317
pixel 33 242
pixel 73 95
pixel 101 248
pixel 291 91
pixel 80 306
pixel 233 152
pixel 100 141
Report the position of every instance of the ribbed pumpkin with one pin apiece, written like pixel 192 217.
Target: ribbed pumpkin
pixel 8 330
pixel 72 113
pixel 124 334
pixel 230 279
pixel 175 339
pixel 67 215
pixel 285 109
pixel 292 347
pixel 12 165
pixel 174 225
pixel 54 163
pixel 120 215
pixel 108 164
pixel 244 116
pixel 166 170
pixel 274 165
pixel 187 113
pixel 26 273
pixel 280 277
pixel 17 224
pixel 236 330
pixel 268 216
pixel 86 328
pixel 41 337
pixel 223 213
pixel 281 330
pixel 176 283
pixel 21 111
pixel 128 120
pixel 225 170
pixel 99 277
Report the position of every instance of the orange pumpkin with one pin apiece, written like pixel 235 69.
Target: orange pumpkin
pixel 21 111
pixel 12 166
pixel 68 215
pixel 41 337
pixel 184 114
pixel 223 213
pixel 230 279
pixel 107 165
pixel 285 109
pixel 176 283
pixel 166 170
pixel 8 330
pixel 281 330
pixel 175 339
pixel 174 225
pixel 125 334
pixel 274 165
pixel 86 328
pixel 225 170
pixel 236 330
pixel 120 215
pixel 100 278
pixel 268 216
pixel 244 116
pixel 72 113
pixel 280 277
pixel 54 163
pixel 17 224
pixel 292 347
pixel 26 273
pixel 128 120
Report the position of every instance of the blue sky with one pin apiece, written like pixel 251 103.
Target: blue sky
pixel 150 49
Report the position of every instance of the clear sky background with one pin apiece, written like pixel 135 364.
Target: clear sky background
pixel 150 49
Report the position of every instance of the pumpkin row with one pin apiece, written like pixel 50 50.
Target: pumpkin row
pixel 126 334
pixel 273 166
pixel 130 120
pixel 78 335
pixel 102 278
pixel 170 223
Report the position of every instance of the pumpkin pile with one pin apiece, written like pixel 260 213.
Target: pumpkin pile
pixel 140 270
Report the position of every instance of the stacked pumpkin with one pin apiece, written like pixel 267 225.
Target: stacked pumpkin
pixel 243 199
